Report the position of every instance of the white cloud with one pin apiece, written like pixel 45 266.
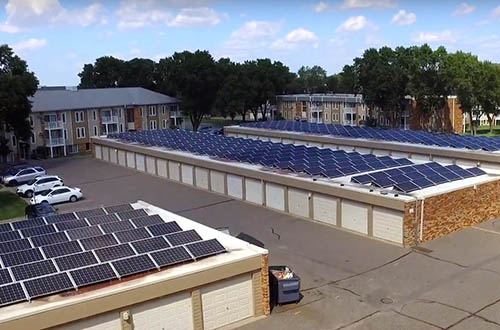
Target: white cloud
pixel 29 45
pixel 320 7
pixel 295 38
pixel 25 14
pixel 377 4
pixel 255 29
pixel 404 18
pixel 135 15
pixel 446 36
pixel 464 9
pixel 195 17
pixel 352 24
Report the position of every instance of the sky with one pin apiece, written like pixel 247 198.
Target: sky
pixel 57 37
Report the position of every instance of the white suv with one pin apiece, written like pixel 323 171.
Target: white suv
pixel 39 184
pixel 23 175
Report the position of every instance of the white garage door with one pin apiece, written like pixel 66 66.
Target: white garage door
pixel 227 301
pixel 105 321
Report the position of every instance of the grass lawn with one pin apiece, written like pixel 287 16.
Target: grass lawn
pixel 485 130
pixel 11 206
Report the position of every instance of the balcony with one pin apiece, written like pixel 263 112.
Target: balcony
pixel 175 114
pixel 109 119
pixel 58 124
pixel 55 142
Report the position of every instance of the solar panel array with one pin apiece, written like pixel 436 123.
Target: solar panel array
pixel 395 135
pixel 43 256
pixel 299 159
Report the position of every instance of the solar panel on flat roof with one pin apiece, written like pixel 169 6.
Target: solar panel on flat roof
pixel 12 293
pixel 77 260
pixel 72 224
pixel 21 257
pixel 29 223
pixel 131 214
pixel 60 217
pixel 101 219
pixel 40 230
pixel 151 244
pixel 362 179
pixel 118 208
pixel 183 237
pixel 5 276
pixel 164 228
pixel 84 232
pixel 114 252
pixel 406 187
pixel 147 220
pixel 48 239
pixel 16 245
pixel 133 265
pixel 93 274
pixel 205 248
pixel 117 226
pixel 171 256
pixel 9 236
pixel 98 242
pixel 34 269
pixel 476 171
pixel 61 249
pixel 44 286
pixel 132 235
pixel 90 213
pixel 5 227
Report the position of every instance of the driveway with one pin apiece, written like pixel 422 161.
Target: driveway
pixel 348 281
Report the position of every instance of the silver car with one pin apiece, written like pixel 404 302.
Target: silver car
pixel 23 175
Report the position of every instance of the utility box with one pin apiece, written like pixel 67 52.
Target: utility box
pixel 284 285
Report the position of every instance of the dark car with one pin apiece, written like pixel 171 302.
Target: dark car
pixel 39 210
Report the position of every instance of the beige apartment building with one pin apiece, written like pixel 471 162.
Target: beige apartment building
pixel 63 120
pixel 344 109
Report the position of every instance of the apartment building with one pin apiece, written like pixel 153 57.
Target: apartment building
pixel 344 109
pixel 63 120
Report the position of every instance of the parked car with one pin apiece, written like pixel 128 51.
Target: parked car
pixel 39 210
pixel 11 170
pixel 39 185
pixel 23 175
pixel 58 195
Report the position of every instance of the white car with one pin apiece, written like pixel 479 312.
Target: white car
pixel 23 175
pixel 39 184
pixel 58 195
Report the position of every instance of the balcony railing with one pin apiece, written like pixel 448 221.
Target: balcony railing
pixel 109 119
pixel 56 142
pixel 54 124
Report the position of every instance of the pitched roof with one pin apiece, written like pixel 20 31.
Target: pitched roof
pixel 63 99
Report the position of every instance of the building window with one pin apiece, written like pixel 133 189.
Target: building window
pixel 63 116
pixel 142 112
pixel 152 125
pixel 164 123
pixel 65 134
pixel 87 146
pixel 31 120
pixel 80 132
pixel 121 128
pixel 14 140
pixel 94 115
pixel 95 131
pixel 152 111
pixel 33 141
pixel 173 108
pixel 79 116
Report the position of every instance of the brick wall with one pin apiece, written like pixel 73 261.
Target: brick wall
pixel 138 119
pixel 449 118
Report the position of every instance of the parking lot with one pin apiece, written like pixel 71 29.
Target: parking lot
pixel 348 281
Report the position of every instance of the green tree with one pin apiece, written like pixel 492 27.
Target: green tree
pixel 17 84
pixel 138 72
pixel 347 79
pixel 312 79
pixel 234 94
pixel 488 90
pixel 106 72
pixel 87 77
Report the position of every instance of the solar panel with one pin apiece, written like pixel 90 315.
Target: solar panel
pixel 60 217
pixel 43 286
pixel 132 235
pixel 48 239
pixel 164 228
pixel 102 219
pixel 5 227
pixel 423 183
pixel 476 171
pixel 17 245
pixel 133 265
pixel 61 249
pixel 9 236
pixel 118 208
pixel 90 213
pixel 151 244
pixel 171 256
pixel 114 252
pixel 98 242
pixel 92 275
pixel 362 179
pixel 34 269
pixel 131 214
pixel 5 276
pixel 183 237
pixel 76 260
pixel 72 224
pixel 84 232
pixel 40 230
pixel 21 257
pixel 147 221
pixel 205 248
pixel 29 223
pixel 406 187
pixel 116 226
pixel 12 293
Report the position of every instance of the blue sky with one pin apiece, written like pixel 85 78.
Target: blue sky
pixel 57 37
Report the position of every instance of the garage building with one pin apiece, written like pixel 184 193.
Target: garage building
pixel 132 266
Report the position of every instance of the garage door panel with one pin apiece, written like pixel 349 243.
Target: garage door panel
pixel 355 216
pixel 325 209
pixel 388 224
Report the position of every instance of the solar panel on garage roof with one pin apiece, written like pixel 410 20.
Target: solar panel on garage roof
pixel 205 248
pixel 72 224
pixel 48 239
pixel 147 220
pixel 118 208
pixel 100 219
pixel 5 227
pixel 21 257
pixel 16 245
pixel 97 242
pixel 29 223
pixel 9 236
pixel 132 235
pixel 5 276
pixel 90 213
pixel 183 237
pixel 77 260
pixel 133 265
pixel 84 232
pixel 171 256
pixel 151 244
pixel 40 230
pixel 124 215
pixel 60 217
pixel 34 269
pixel 93 274
pixel 117 226
pixel 11 293
pixel 44 286
pixel 61 249
pixel 164 228
pixel 114 252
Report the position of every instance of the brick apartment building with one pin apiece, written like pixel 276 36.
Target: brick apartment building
pixel 63 120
